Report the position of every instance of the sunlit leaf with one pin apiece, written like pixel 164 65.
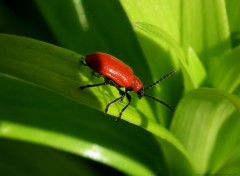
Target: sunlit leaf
pixel 36 115
pixel 199 124
pixel 225 75
pixel 233 11
pixel 59 70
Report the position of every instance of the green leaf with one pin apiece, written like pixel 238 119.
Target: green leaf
pixel 225 157
pixel 91 30
pixel 89 26
pixel 233 11
pixel 203 122
pixel 162 53
pixel 194 73
pixel 162 14
pixel 195 68
pixel 196 24
pixel 41 103
pixel 225 75
pixel 58 70
pixel 36 115
pixel 204 28
pixel 30 159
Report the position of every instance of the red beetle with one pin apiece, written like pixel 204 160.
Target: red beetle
pixel 120 75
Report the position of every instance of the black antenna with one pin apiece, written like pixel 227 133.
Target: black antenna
pixel 161 79
pixel 154 84
pixel 160 101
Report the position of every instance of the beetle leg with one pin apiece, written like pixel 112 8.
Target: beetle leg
pixel 112 102
pixel 93 85
pixel 123 94
pixel 129 101
pixel 126 92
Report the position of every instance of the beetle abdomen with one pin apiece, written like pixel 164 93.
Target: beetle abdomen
pixel 111 68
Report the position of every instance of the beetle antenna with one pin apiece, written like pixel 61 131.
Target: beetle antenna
pixel 160 101
pixel 161 79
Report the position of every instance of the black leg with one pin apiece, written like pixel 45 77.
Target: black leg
pixel 114 101
pixel 123 94
pixel 93 85
pixel 129 101
pixel 109 104
pixel 107 81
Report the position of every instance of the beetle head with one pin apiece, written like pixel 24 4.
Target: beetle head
pixel 140 93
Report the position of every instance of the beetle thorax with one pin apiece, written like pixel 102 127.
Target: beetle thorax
pixel 136 84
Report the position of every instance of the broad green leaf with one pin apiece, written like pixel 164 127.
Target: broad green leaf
pixel 203 123
pixel 162 14
pixel 92 30
pixel 233 11
pixel 232 165
pixel 225 157
pixel 233 7
pixel 225 74
pixel 203 27
pixel 41 103
pixel 30 113
pixel 197 24
pixel 193 71
pixel 196 70
pixel 22 158
pixel 89 26
pixel 162 54
pixel 59 70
